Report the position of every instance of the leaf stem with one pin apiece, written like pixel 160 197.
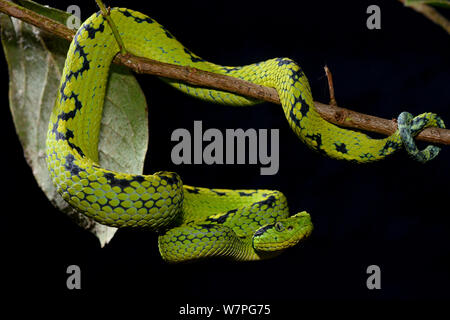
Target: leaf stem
pixel 106 14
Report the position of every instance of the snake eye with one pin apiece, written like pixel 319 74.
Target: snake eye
pixel 279 226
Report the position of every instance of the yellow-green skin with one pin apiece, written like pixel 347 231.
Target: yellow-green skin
pixel 193 222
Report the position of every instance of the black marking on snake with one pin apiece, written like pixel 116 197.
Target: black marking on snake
pixel 207 226
pixel 229 69
pixel 367 156
pixel 262 230
pixel 192 56
pixel 419 122
pixel 193 190
pixel 170 178
pixel 115 182
pixel 294 117
pixel 71 166
pixel 245 194
pixel 296 74
pixel 71 114
pixel 284 61
pixel 128 14
pixel 85 66
pixel 91 30
pixel 389 145
pixel 75 147
pixel 222 218
pixel 58 135
pixel 341 147
pixel 139 179
pixel 65 137
pixel 317 137
pixel 168 34
pixel 218 192
pixel 69 135
pixel 304 109
pixel 270 202
pixel 66 116
pixel 434 152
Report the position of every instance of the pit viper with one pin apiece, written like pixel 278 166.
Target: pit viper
pixel 192 222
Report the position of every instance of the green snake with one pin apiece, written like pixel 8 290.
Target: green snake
pixel 192 222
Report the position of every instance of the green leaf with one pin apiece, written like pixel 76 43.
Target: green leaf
pixel 52 13
pixel 439 3
pixel 35 62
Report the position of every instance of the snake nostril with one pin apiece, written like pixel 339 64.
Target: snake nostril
pixel 290 228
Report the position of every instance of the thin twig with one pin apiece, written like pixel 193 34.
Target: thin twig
pixel 106 15
pixel 333 101
pixel 337 115
pixel 431 13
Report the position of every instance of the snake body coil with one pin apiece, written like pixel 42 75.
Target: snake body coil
pixel 193 222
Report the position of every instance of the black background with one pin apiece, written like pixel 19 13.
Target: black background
pixel 393 213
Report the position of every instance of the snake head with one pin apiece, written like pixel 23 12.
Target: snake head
pixel 283 234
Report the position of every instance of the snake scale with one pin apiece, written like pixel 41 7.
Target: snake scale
pixel 192 222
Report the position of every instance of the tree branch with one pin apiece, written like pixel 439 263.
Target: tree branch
pixel 431 13
pixel 339 116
